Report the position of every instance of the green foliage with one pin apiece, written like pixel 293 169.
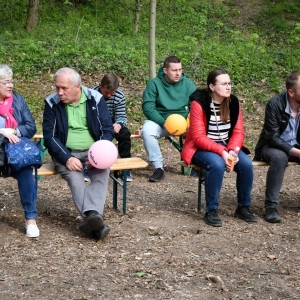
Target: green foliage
pixel 97 36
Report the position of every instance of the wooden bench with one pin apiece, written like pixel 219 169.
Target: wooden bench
pixel 121 164
pixel 201 177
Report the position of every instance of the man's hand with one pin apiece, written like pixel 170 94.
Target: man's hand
pixel 295 152
pixel 117 127
pixel 74 164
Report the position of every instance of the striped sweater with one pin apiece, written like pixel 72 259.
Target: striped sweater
pixel 116 106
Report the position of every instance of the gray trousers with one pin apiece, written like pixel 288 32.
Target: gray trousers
pixel 86 196
pixel 278 162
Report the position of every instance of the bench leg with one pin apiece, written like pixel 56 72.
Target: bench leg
pixel 116 182
pixel 115 190
pixel 199 190
pixel 124 191
pixel 200 181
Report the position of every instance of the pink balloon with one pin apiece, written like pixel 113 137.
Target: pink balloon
pixel 102 154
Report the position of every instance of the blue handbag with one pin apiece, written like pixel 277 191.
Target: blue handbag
pixel 22 154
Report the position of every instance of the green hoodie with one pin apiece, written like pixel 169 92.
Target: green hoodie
pixel 161 98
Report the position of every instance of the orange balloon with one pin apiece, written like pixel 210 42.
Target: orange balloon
pixel 188 122
pixel 176 124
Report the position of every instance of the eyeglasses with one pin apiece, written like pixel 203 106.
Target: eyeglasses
pixel 230 84
pixel 7 82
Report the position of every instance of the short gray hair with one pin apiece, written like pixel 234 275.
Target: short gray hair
pixel 5 71
pixel 73 75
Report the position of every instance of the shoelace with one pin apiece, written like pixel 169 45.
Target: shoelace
pixel 214 213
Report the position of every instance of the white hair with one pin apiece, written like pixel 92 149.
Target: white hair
pixel 5 71
pixel 73 75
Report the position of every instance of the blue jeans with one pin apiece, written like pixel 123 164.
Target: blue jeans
pixel 27 190
pixel 151 132
pixel 214 164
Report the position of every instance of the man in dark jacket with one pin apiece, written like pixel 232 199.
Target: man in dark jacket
pixel 279 141
pixel 74 118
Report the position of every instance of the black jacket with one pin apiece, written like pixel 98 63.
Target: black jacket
pixel 55 123
pixel 276 121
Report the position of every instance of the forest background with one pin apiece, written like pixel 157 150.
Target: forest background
pixel 256 41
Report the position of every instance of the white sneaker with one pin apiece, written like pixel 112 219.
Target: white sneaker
pixel 32 230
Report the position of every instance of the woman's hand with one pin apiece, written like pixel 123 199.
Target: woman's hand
pixel 234 154
pixel 12 138
pixel 9 134
pixel 229 163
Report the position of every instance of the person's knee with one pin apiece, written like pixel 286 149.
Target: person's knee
pixel 123 134
pixel 279 158
pixel 149 133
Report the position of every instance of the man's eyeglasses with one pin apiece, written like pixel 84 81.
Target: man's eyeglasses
pixel 230 84
pixel 7 82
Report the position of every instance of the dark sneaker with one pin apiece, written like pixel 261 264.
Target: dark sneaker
pixel 194 173
pixel 93 222
pixel 128 176
pixel 245 214
pixel 158 175
pixel 212 218
pixel 86 177
pixel 272 215
pixel 102 233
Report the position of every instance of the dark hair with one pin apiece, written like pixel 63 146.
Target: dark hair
pixel 224 108
pixel 171 59
pixel 211 78
pixel 292 80
pixel 110 81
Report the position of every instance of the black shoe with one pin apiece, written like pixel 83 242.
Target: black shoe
pixel 102 233
pixel 212 218
pixel 158 175
pixel 93 222
pixel 194 173
pixel 245 214
pixel 272 215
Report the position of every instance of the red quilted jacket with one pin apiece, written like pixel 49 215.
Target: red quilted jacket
pixel 197 134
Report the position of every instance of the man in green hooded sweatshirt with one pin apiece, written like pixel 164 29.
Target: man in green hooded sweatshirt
pixel 166 94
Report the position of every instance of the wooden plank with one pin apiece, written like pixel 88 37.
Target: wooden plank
pixel 46 170
pixel 40 136
pixel 128 164
pixel 119 165
pixel 135 136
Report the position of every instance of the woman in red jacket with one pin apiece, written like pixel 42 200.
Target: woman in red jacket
pixel 214 139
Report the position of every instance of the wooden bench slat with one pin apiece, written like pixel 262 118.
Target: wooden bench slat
pixel 46 170
pixel 120 165
pixel 129 163
pixel 37 137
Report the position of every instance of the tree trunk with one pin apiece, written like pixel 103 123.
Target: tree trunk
pixel 32 14
pixel 138 6
pixel 152 61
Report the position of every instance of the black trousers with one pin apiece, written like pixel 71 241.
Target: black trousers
pixel 124 142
